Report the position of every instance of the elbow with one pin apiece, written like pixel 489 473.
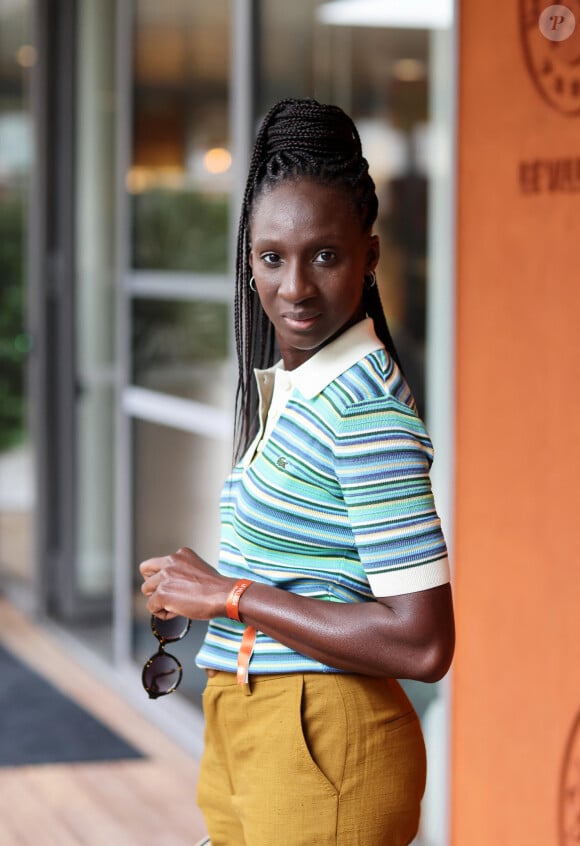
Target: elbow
pixel 435 659
pixel 424 634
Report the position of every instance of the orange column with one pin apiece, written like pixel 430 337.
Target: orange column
pixel 516 684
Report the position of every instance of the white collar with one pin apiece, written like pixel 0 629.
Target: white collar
pixel 329 362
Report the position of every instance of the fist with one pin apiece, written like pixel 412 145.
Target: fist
pixel 183 584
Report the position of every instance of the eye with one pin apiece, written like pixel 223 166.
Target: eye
pixel 325 257
pixel 270 259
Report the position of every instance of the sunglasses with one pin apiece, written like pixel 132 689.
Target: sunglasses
pixel 162 672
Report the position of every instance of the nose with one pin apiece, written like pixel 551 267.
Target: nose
pixel 296 285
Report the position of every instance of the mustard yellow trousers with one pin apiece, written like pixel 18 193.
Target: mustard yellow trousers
pixel 303 759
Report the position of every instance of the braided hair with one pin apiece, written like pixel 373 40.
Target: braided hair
pixel 297 139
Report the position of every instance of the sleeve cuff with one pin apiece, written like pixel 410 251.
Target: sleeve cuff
pixel 411 579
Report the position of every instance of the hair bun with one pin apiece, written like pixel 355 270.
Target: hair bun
pixel 307 126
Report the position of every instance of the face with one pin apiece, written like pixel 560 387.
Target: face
pixel 309 257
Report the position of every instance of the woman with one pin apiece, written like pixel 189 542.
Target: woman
pixel 333 578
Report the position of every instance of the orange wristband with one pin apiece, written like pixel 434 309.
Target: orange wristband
pixel 233 600
pixel 245 653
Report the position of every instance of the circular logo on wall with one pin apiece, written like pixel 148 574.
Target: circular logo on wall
pixel 551 43
pixel 557 23
pixel 569 810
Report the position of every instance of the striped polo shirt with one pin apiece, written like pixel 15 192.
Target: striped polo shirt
pixel 333 498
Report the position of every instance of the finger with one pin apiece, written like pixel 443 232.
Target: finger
pixel 184 552
pixel 151 582
pixel 150 567
pixel 158 609
pixel 147 589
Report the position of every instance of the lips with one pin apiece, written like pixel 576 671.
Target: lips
pixel 301 320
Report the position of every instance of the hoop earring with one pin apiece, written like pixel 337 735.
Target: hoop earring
pixel 370 279
pixel 252 284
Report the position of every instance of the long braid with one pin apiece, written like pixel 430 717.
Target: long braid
pixel 297 138
pixel 254 335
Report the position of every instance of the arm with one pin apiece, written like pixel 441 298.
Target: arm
pixel 408 636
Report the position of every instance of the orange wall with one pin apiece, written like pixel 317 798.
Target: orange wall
pixel 516 679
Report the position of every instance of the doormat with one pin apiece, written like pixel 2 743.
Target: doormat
pixel 41 725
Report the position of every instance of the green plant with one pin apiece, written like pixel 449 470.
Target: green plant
pixel 13 338
pixel 180 230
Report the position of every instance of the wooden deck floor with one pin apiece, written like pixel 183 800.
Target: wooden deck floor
pixel 119 803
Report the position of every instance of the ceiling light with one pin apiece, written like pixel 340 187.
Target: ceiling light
pixel 26 56
pixel 409 70
pixel 401 14
pixel 217 160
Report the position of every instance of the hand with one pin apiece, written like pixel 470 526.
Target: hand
pixel 182 584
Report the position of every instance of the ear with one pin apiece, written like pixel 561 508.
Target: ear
pixel 251 259
pixel 373 253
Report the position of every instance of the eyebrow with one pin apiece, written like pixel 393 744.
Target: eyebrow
pixel 327 239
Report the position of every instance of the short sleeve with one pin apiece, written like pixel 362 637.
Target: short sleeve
pixel 383 456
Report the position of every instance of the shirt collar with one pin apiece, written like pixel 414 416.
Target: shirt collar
pixel 331 361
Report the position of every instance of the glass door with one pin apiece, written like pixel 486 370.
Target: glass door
pixel 17 497
pixel 89 586
pixel 176 297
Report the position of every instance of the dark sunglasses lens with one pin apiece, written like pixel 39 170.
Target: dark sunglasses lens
pixel 161 675
pixel 170 630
